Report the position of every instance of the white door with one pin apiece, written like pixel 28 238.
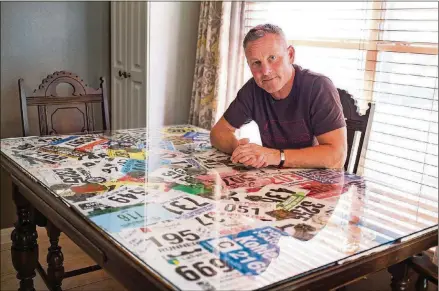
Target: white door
pixel 128 64
pixel 137 51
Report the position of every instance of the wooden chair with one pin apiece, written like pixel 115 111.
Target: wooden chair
pixel 64 114
pixel 427 271
pixel 358 129
pixel 70 115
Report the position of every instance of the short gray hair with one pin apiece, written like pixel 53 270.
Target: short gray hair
pixel 260 31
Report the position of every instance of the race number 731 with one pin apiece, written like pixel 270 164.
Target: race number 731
pixel 183 205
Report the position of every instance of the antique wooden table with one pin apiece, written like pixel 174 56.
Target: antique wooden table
pixel 162 209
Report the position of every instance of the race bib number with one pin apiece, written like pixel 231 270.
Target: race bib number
pixel 255 210
pixel 176 175
pixel 250 252
pixel 186 206
pixel 123 196
pixel 136 154
pixel 115 219
pixel 70 176
pixel 274 194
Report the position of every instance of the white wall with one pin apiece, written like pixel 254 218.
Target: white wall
pixel 37 39
pixel 173 42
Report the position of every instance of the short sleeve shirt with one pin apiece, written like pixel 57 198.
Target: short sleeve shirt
pixel 311 109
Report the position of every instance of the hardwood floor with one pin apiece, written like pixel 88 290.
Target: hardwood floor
pixel 74 258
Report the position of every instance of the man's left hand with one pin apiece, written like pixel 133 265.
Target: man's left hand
pixel 255 155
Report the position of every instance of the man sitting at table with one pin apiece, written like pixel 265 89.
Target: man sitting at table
pixel 298 112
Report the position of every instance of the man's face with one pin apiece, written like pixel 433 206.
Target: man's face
pixel 270 61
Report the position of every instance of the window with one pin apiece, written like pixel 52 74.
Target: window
pixel 386 52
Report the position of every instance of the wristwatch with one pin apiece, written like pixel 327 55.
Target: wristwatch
pixel 282 158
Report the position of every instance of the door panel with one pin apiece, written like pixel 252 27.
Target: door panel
pixel 137 63
pixel 119 60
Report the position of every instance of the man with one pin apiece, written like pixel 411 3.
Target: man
pixel 298 112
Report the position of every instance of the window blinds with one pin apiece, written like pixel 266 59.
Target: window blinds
pixel 385 52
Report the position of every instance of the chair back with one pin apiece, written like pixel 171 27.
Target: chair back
pixel 64 114
pixel 358 129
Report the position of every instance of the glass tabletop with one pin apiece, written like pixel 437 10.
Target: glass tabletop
pixel 186 212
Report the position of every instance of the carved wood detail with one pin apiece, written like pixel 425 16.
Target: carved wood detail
pixel 355 122
pixel 47 96
pixel 48 86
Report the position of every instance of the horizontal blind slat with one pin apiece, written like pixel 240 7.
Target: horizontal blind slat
pixel 401 132
pixel 421 125
pixel 425 159
pixel 407 101
pixel 403 142
pixel 408 112
pixel 417 167
pixel 396 150
pixel 429 193
pixel 386 178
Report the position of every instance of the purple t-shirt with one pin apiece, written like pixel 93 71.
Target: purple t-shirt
pixel 312 108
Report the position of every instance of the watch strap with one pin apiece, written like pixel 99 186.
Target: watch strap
pixel 282 158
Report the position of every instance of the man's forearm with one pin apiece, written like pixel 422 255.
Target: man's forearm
pixel 321 156
pixel 224 141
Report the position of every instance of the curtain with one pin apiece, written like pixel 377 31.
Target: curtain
pixel 219 61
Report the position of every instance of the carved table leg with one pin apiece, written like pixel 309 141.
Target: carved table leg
pixel 55 258
pixel 24 250
pixel 400 276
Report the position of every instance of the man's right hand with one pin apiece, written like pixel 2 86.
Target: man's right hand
pixel 222 137
pixel 250 159
pixel 240 142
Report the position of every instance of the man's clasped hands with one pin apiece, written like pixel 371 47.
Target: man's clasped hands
pixel 254 155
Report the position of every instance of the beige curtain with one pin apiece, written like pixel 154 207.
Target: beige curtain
pixel 219 61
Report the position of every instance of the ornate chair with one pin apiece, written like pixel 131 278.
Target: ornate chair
pixel 358 129
pixel 425 265
pixel 64 114
pixel 70 114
